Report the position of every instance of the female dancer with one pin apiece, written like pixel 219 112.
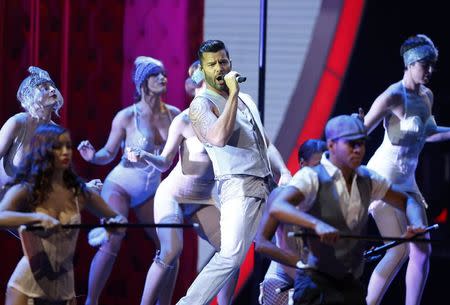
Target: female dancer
pixel 132 183
pixel 46 191
pixel 193 83
pixel 405 108
pixel 40 98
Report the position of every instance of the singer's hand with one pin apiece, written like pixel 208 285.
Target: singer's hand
pixel 231 82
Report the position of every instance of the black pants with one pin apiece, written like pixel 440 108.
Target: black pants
pixel 317 288
pixel 47 302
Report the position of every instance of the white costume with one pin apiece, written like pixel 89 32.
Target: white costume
pixel 396 159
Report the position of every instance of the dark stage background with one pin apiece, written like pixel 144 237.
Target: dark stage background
pixel 89 46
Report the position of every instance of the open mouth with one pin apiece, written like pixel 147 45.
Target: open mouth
pixel 220 79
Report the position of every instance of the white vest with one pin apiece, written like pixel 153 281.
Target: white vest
pixel 246 151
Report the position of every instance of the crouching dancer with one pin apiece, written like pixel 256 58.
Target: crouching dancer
pixel 333 198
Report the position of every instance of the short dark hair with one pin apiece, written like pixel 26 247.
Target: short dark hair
pixel 309 148
pixel 211 46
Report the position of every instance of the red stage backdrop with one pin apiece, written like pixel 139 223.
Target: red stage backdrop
pixel 89 47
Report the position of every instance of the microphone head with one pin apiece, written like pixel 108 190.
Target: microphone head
pixel 241 79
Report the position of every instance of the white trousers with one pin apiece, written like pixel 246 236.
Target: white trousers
pixel 239 220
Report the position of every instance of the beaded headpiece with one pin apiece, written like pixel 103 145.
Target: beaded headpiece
pixel 28 93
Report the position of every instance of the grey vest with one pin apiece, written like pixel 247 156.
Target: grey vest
pixel 246 151
pixel 346 256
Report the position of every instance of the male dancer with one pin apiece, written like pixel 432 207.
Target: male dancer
pixel 279 279
pixel 228 124
pixel 332 198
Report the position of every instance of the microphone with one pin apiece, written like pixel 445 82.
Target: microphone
pixel 240 79
pixel 283 289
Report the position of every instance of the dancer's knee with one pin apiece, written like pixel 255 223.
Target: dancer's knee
pixel 171 241
pixel 420 253
pixel 398 253
pixel 112 247
pixel 164 262
pixel 170 252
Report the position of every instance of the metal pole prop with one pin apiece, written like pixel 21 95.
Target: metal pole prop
pixel 262 57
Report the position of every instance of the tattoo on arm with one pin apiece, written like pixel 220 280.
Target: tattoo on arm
pixel 200 115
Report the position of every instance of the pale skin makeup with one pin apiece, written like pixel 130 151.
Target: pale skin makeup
pixel 415 77
pixel 414 83
pixel 154 121
pixel 152 117
pixel 14 125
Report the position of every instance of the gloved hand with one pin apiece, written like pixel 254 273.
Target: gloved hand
pixel 98 237
pixel 118 219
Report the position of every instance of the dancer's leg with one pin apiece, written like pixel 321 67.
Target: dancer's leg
pixel 145 214
pixel 163 266
pixel 390 222
pixel 105 257
pixel 165 295
pixel 270 296
pixel 162 274
pixel 418 267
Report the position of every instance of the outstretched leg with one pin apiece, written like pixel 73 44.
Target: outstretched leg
pixel 164 266
pixel 161 276
pixel 105 257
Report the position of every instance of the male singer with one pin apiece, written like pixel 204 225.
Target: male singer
pixel 228 124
